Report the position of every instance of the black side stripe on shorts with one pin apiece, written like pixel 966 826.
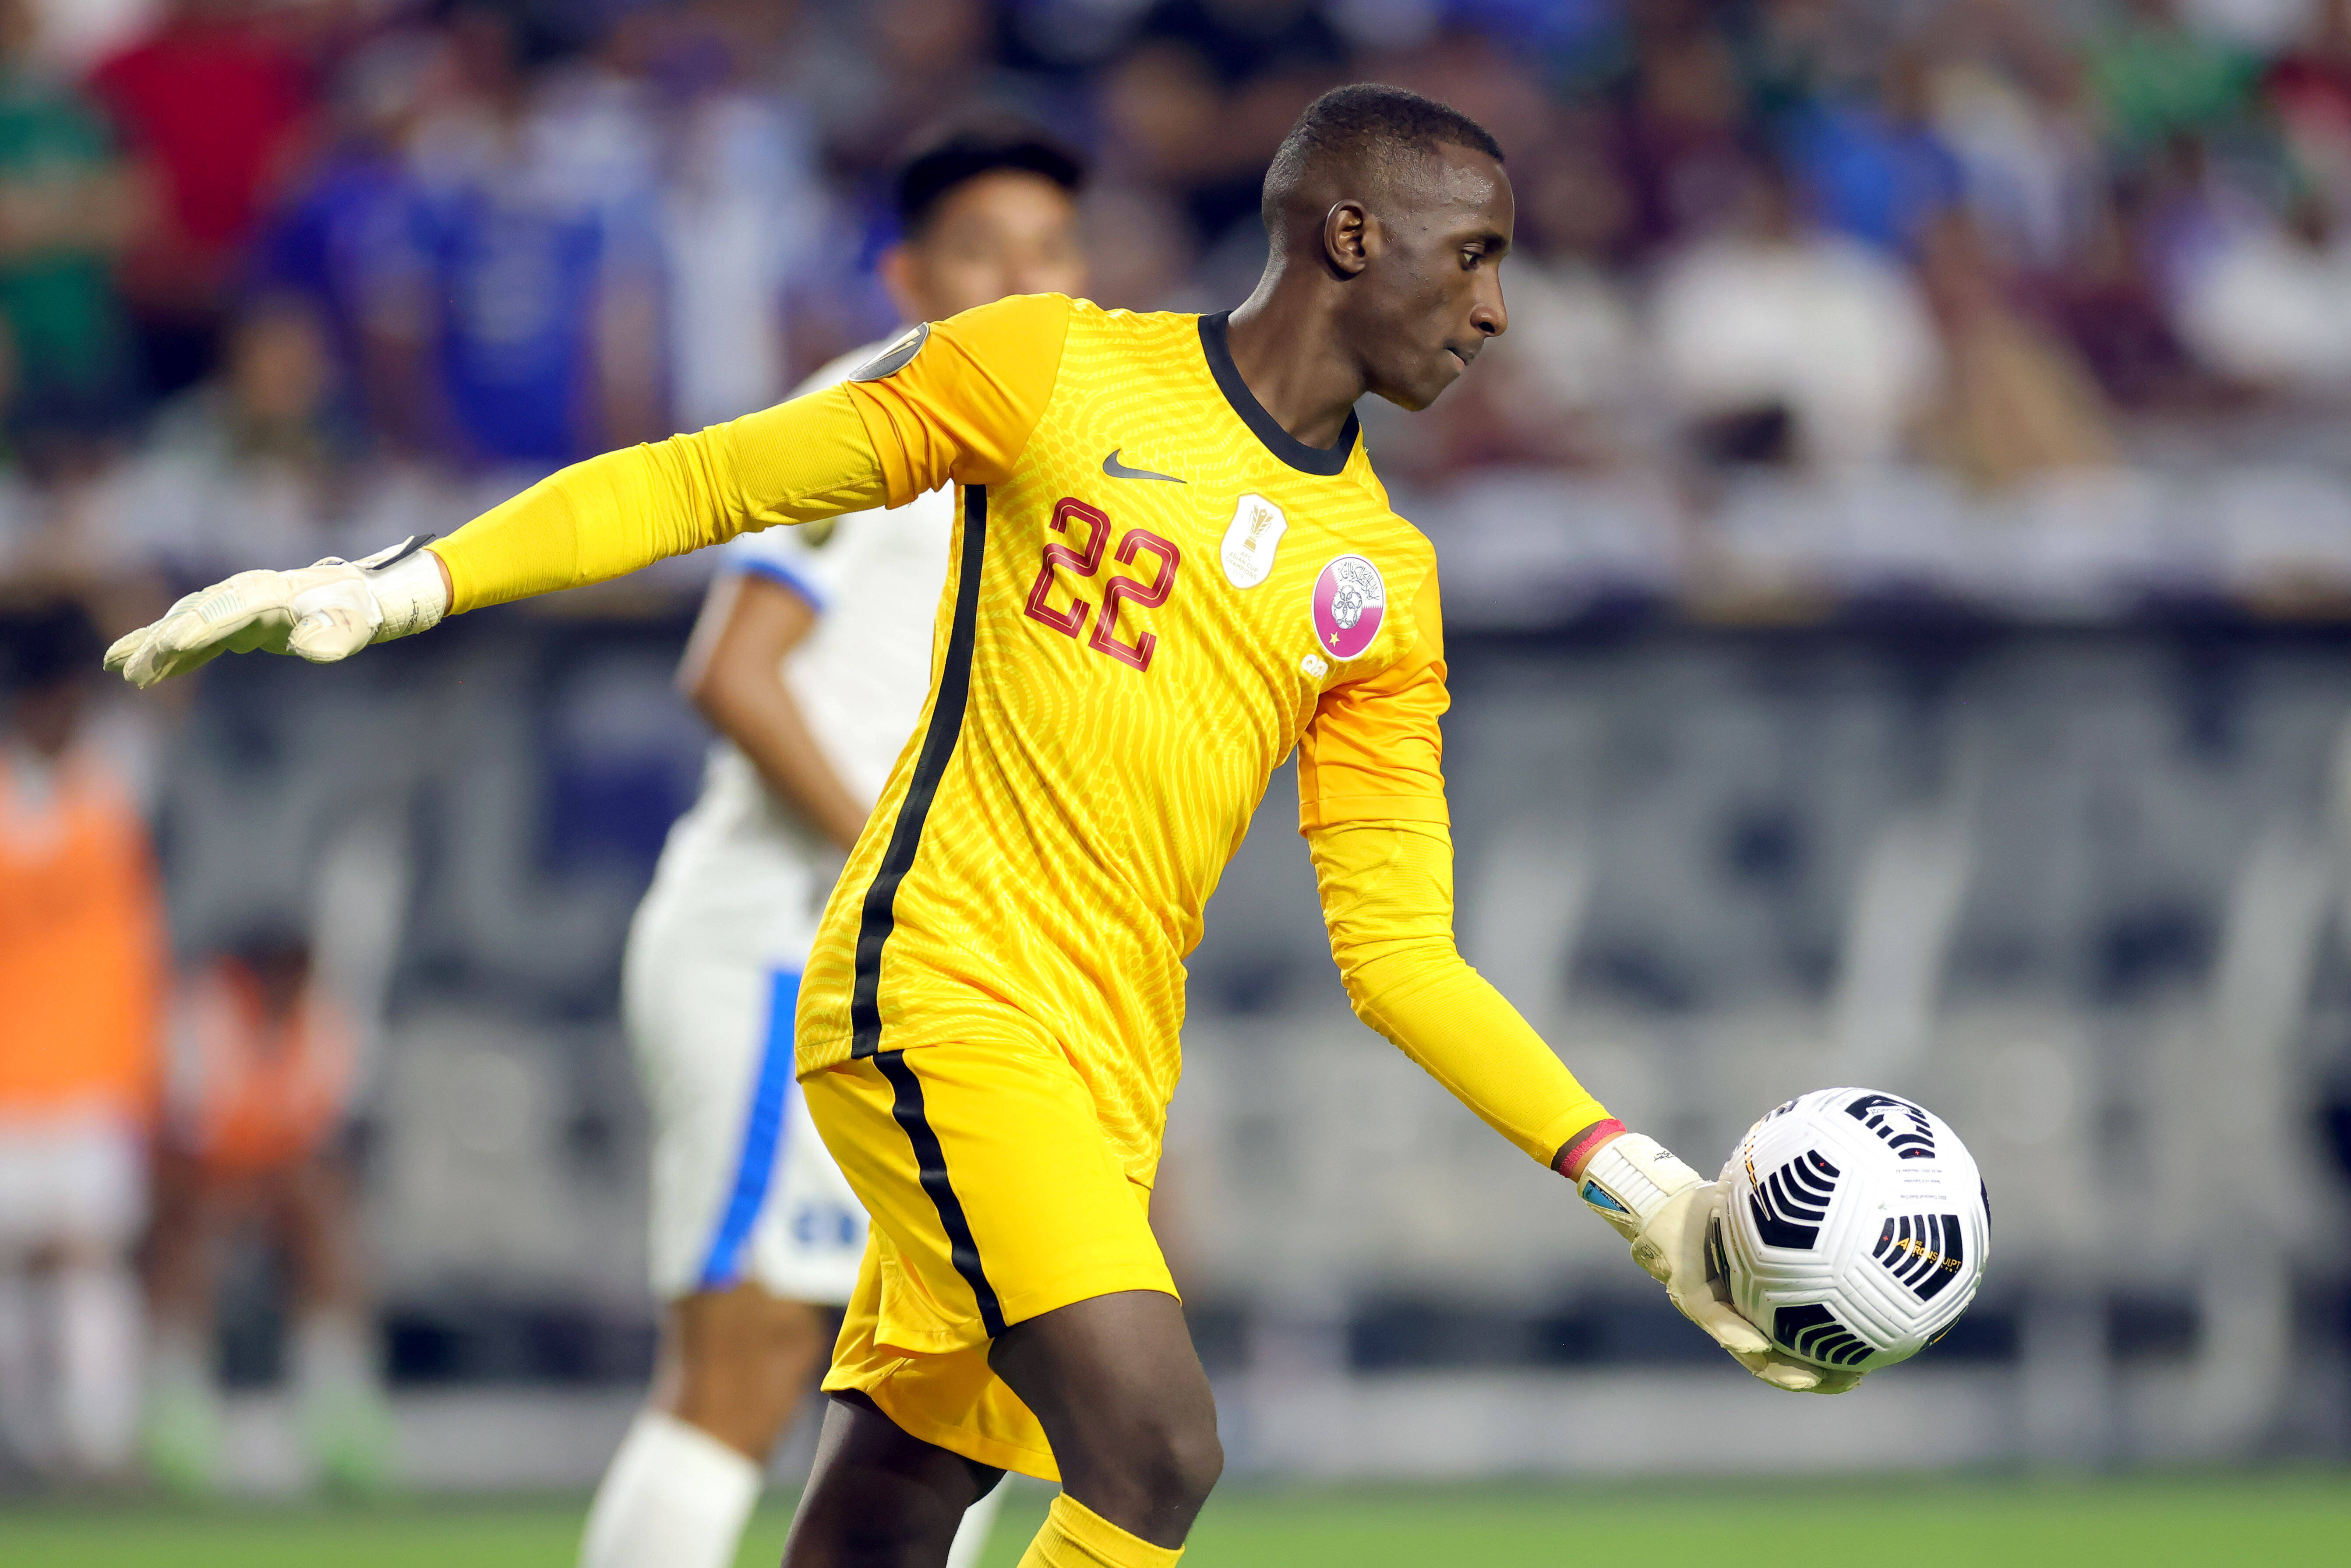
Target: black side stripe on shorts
pixel 878 917
pixel 932 1160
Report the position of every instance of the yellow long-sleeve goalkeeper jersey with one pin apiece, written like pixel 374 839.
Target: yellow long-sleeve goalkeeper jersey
pixel 1157 595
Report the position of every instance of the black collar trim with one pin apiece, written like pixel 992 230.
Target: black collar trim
pixel 1325 461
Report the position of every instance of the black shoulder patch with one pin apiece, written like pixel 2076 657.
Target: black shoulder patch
pixel 896 357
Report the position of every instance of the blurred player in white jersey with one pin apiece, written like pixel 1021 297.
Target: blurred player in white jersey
pixel 812 659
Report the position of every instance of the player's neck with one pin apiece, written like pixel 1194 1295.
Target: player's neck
pixel 1285 343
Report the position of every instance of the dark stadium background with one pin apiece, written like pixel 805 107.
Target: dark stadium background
pixel 1899 579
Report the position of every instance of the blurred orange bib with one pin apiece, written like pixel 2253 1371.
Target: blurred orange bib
pixel 260 1091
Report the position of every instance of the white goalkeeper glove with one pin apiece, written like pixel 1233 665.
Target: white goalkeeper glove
pixel 1670 1214
pixel 322 612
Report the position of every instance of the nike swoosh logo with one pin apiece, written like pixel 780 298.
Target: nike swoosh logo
pixel 1117 470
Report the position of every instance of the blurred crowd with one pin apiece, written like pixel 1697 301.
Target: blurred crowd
pixel 280 277
pixel 1808 294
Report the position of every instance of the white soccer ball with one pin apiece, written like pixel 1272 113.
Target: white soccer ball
pixel 1855 1227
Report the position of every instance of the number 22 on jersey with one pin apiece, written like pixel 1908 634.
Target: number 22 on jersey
pixel 1085 562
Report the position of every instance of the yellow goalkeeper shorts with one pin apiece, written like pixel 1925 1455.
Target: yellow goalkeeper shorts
pixel 995 1197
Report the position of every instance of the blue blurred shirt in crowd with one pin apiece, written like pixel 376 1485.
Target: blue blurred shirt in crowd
pixel 1872 176
pixel 349 245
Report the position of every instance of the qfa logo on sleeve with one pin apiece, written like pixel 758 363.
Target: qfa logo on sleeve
pixel 1351 601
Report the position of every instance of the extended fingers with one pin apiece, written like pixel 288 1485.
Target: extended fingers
pixel 155 661
pixel 1781 1371
pixel 1672 1249
pixel 1791 1375
pixel 123 654
pixel 179 642
pixel 225 608
pixel 1723 1324
pixel 141 669
pixel 234 616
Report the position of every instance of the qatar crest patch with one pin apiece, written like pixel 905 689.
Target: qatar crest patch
pixel 1351 599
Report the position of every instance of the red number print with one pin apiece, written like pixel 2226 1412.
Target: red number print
pixel 1072 621
pixel 1069 623
pixel 1105 637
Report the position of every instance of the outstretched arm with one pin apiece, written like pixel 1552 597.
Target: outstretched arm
pixel 960 404
pixel 812 457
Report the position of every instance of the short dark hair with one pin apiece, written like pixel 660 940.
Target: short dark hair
pixel 1368 120
pixel 963 155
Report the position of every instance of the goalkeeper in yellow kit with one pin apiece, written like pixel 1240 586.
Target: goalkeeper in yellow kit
pixel 1173 566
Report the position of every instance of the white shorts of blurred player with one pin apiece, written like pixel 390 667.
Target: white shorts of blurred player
pixel 73 1200
pixel 742 1189
pixel 742 1186
pixel 77 1177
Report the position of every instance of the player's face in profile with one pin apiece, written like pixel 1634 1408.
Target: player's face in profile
pixel 1004 232
pixel 1432 292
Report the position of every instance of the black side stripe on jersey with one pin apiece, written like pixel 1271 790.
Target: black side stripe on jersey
pixel 931 1161
pixel 880 914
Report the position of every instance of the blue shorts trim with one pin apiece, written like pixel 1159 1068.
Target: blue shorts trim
pixel 777 572
pixel 763 1139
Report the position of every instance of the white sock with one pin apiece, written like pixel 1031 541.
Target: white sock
pixel 331 1355
pixel 339 1410
pixel 99 1333
pixel 179 1356
pixel 674 1497
pixel 971 1535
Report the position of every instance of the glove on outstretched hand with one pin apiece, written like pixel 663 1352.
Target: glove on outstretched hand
pixel 1669 1215
pixel 322 613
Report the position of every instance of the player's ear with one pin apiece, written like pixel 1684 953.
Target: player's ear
pixel 896 269
pixel 1347 239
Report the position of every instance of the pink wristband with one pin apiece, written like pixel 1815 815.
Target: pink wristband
pixel 1571 1158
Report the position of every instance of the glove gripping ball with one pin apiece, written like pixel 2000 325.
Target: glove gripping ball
pixel 1855 1228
